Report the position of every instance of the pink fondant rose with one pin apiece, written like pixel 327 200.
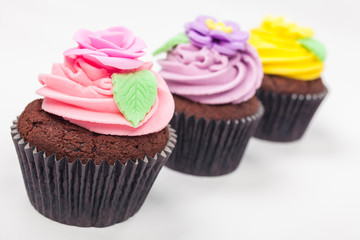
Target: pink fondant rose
pixel 114 49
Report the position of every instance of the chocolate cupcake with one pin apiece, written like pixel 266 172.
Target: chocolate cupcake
pixel 292 88
pixel 213 73
pixel 92 148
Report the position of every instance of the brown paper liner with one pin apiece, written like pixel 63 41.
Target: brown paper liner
pixel 87 195
pixel 287 116
pixel 210 148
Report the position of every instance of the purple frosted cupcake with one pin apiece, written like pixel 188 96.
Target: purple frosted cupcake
pixel 213 74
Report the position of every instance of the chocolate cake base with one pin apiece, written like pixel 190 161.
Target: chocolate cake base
pixel 57 136
pixel 212 138
pixel 289 107
pixel 279 84
pixel 87 195
pixel 216 112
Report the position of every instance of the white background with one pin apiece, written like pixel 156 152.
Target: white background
pixel 308 189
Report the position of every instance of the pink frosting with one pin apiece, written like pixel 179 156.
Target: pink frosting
pixel 113 49
pixel 82 93
pixel 206 76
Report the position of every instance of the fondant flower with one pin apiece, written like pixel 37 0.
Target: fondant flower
pixel 114 49
pixel 225 37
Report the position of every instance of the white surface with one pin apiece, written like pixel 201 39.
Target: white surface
pixel 304 190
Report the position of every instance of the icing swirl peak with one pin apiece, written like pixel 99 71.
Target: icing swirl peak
pixel 286 29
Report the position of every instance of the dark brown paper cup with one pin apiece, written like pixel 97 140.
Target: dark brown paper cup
pixel 286 115
pixel 87 195
pixel 210 148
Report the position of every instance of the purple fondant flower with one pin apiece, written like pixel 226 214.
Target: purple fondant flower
pixel 226 37
pixel 113 49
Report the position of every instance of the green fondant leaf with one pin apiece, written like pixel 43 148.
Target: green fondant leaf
pixel 180 38
pixel 134 94
pixel 316 47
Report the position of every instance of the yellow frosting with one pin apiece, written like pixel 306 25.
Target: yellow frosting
pixel 281 53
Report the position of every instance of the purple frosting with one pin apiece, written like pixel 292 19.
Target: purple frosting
pixel 226 43
pixel 206 76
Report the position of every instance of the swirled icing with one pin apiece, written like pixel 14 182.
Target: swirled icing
pixel 206 76
pixel 81 89
pixel 280 51
pixel 82 93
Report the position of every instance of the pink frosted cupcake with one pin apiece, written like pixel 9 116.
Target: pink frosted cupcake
pixel 213 74
pixel 92 148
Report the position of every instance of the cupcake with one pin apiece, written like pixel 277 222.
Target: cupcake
pixel 213 74
pixel 91 148
pixel 292 88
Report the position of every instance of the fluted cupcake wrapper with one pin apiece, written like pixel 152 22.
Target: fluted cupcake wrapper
pixel 87 195
pixel 210 148
pixel 287 116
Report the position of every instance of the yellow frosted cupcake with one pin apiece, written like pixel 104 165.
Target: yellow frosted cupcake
pixel 292 88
